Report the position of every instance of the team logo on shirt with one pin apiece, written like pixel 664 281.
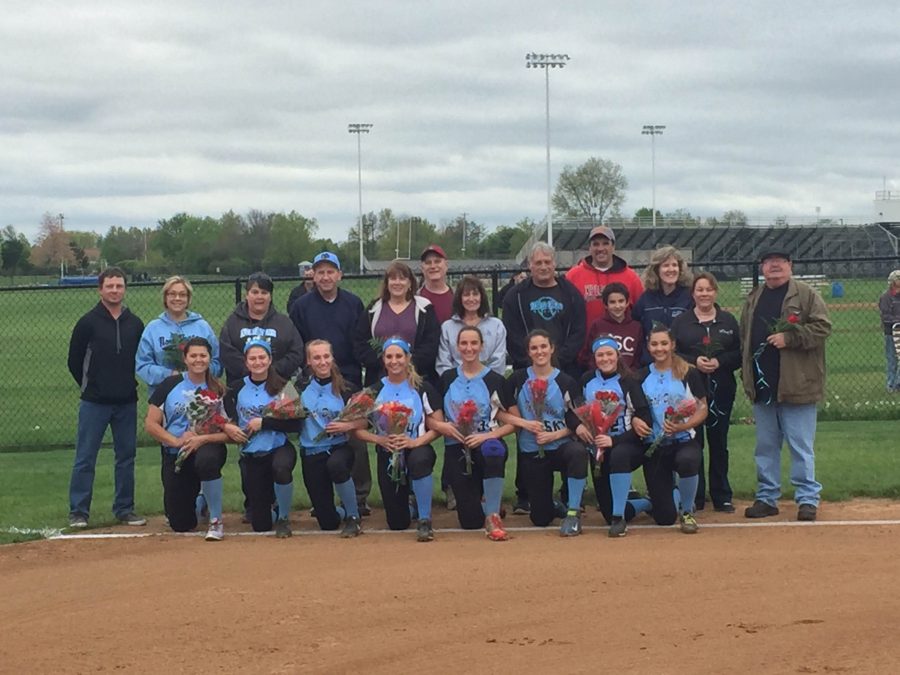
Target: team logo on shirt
pixel 546 307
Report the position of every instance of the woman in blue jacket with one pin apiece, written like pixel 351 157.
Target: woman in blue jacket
pixel 159 353
pixel 325 456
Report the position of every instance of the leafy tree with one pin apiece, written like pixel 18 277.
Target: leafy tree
pixel 290 241
pixel 680 217
pixel 597 186
pixel 14 251
pixel 120 244
pixel 52 248
pixel 644 216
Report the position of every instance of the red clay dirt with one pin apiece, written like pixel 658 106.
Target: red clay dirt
pixel 809 598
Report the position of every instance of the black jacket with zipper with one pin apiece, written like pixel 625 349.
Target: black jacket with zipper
pixel 101 355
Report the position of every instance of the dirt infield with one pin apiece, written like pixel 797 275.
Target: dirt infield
pixel 807 598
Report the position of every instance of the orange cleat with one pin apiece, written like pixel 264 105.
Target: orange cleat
pixel 493 528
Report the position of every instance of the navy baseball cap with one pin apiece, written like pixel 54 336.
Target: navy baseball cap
pixel 774 252
pixel 327 257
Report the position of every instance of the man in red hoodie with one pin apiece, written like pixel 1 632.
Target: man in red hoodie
pixel 599 268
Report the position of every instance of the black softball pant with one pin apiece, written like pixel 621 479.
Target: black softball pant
pixel 624 456
pixel 320 472
pixel 469 489
pixel 570 459
pixel 682 458
pixel 715 429
pixel 395 496
pixel 261 469
pixel 180 489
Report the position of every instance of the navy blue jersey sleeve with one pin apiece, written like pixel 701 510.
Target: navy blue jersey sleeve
pixel 445 380
pixel 230 400
pixel 431 400
pixel 161 393
pixel 696 382
pixel 511 390
pixel 635 394
pixel 571 392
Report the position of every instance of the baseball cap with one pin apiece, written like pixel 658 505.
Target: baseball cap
pixel 433 248
pixel 775 252
pixel 328 257
pixel 603 231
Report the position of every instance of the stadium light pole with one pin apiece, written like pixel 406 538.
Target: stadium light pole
pixel 653 130
pixel 359 129
pixel 547 61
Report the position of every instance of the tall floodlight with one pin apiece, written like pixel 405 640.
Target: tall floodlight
pixel 653 130
pixel 359 129
pixel 547 61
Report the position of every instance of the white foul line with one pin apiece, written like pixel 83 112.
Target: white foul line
pixel 58 535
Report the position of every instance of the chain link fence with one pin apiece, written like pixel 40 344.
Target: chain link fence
pixel 39 400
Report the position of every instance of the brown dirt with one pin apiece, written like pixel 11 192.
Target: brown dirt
pixel 804 599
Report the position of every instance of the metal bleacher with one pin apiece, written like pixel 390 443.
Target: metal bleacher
pixel 721 242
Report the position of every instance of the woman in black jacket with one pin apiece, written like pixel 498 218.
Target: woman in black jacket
pixel 398 311
pixel 709 338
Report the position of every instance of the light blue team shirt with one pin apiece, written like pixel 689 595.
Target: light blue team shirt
pixel 554 415
pixel 464 389
pixel 663 390
pixel 409 397
pixel 251 401
pixel 612 384
pixel 322 406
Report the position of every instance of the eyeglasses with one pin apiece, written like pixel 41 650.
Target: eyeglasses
pixel 177 294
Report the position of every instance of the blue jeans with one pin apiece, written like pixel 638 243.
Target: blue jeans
pixel 93 419
pixel 796 424
pixel 893 367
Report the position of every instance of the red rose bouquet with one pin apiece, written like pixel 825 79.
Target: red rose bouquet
pixel 359 406
pixel 467 418
pixel 173 351
pixel 680 413
pixel 538 390
pixel 286 405
pixel 598 417
pixel 392 418
pixel 206 415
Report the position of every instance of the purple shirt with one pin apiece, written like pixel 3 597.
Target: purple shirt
pixel 402 325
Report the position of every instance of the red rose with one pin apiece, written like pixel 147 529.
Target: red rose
pixel 705 340
pixel 793 318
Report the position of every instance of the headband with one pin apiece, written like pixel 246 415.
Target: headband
pixel 256 342
pixel 604 341
pixel 397 342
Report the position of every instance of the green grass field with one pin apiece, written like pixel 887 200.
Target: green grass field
pixel 39 400
pixel 853 459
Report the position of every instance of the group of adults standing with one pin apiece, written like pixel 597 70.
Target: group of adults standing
pixel 598 326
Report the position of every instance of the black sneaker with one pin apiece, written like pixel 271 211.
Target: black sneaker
pixel 559 509
pixel 571 526
pixel 131 518
pixel 283 528
pixel 760 510
pixel 521 508
pixel 724 507
pixel 807 512
pixel 618 528
pixel 424 531
pixel 352 528
pixel 364 509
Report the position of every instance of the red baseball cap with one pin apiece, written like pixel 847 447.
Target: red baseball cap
pixel 433 248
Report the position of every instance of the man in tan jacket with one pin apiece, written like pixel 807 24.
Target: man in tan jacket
pixel 784 325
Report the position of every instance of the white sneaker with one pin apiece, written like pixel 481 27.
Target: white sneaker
pixel 216 531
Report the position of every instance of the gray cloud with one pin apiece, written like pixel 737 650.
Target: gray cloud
pixel 126 113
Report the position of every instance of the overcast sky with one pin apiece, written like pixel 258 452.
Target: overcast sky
pixel 123 113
